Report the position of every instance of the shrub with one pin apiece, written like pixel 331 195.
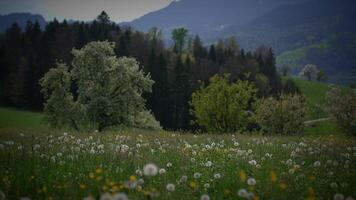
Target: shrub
pixel 342 107
pixel 283 116
pixel 222 106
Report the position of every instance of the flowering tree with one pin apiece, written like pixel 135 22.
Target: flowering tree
pixel 342 107
pixel 309 72
pixel 108 90
pixel 284 116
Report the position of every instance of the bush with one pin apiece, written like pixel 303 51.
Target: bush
pixel 283 116
pixel 222 106
pixel 342 107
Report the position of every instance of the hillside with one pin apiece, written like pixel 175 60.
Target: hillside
pixel 205 17
pixel 323 35
pixel 286 26
pixel 21 19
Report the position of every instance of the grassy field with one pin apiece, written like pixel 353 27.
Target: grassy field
pixel 20 119
pixel 40 163
pixel 74 166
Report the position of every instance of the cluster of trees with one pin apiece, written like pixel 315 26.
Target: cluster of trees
pixel 225 106
pixel 177 71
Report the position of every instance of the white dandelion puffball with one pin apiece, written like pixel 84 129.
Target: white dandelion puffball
pixel 217 176
pixel 169 164
pixel 89 198
pixel 338 196
pixel 208 164
pixel 206 185
pixel 106 196
pixel 251 181
pixel 197 175
pixel 120 196
pixel 317 164
pixel 150 169
pixel 184 178
pixel 204 197
pixel 252 162
pixel 170 187
pixel 242 193
pixel 162 171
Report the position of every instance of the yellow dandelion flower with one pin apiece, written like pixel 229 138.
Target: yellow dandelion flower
pixel 105 188
pixel 311 198
pixel 255 197
pixel 311 191
pixel 82 186
pixel 44 189
pixel 99 178
pixel 114 188
pixel 98 170
pixel 121 186
pixel 243 175
pixel 312 178
pixel 227 191
pixel 282 186
pixel 133 178
pixel 193 184
pixel 273 176
pixel 91 175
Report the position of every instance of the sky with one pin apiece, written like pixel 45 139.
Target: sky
pixel 118 10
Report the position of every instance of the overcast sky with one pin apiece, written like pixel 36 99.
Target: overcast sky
pixel 118 10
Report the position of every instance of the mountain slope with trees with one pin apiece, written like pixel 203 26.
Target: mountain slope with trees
pixel 21 19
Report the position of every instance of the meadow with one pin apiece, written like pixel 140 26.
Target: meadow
pixel 99 165
pixel 41 163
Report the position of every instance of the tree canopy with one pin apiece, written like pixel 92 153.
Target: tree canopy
pixel 108 89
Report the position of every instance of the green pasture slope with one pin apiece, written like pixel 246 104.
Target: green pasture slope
pixel 315 93
pixel 12 118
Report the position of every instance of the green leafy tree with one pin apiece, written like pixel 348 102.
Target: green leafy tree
pixel 179 36
pixel 103 18
pixel 108 91
pixel 282 116
pixel 223 106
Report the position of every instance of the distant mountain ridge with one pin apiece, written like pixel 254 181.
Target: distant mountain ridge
pixel 21 19
pixel 205 16
pixel 321 32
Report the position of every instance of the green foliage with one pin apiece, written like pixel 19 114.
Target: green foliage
pixel 59 106
pixel 290 87
pixel 179 36
pixel 283 116
pixel 343 109
pixel 222 106
pixel 108 91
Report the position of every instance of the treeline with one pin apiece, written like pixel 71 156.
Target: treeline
pixel 26 55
